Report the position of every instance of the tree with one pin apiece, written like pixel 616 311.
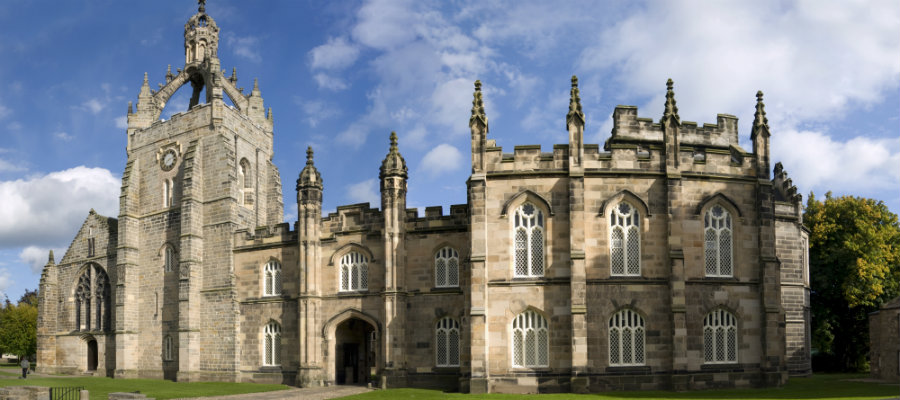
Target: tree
pixel 18 327
pixel 30 297
pixel 854 257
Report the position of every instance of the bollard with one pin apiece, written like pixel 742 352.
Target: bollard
pixel 84 395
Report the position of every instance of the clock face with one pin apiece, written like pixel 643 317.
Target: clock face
pixel 168 160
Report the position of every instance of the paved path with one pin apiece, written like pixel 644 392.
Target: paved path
pixel 316 393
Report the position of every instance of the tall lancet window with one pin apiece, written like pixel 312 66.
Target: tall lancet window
pixel 531 340
pixel 528 241
pixel 718 243
pixel 625 240
pixel 272 279
pixel 272 344
pixel 447 343
pixel 92 300
pixel 626 339
pixel 720 338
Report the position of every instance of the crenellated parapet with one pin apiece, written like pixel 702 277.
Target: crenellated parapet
pixel 277 234
pixel 788 200
pixel 434 220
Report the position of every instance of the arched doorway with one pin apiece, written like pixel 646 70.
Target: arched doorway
pixel 355 342
pixel 91 355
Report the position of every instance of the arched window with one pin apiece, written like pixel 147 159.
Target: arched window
pixel 92 300
pixel 717 232
pixel 168 348
pixel 245 182
pixel 528 241
pixel 272 279
pixel 171 261
pixel 720 339
pixel 626 339
pixel 531 340
pixel 446 268
pixel 625 240
pixel 272 344
pixel 447 339
pixel 354 272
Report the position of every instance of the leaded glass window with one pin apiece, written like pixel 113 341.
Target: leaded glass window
pixel 531 340
pixel 447 343
pixel 720 339
pixel 92 300
pixel 272 344
pixel 446 268
pixel 717 234
pixel 528 241
pixel 354 272
pixel 626 339
pixel 171 261
pixel 272 279
pixel 625 240
pixel 168 348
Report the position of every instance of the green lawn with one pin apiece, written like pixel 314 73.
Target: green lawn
pixel 160 389
pixel 830 386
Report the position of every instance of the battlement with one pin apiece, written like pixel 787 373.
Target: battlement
pixel 265 234
pixel 435 220
pixel 352 218
pixel 628 127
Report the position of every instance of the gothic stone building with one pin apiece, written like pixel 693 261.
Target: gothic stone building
pixel 884 353
pixel 669 259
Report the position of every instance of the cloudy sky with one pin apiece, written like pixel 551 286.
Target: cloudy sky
pixel 341 75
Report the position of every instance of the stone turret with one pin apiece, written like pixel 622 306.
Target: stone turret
pixel 393 176
pixel 478 124
pixel 671 123
pixel 759 135
pixel 201 37
pixel 575 126
pixel 309 215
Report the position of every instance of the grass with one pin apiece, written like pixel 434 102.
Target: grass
pixel 820 386
pixel 159 389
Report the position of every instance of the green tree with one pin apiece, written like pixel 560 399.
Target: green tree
pixel 18 329
pixel 854 257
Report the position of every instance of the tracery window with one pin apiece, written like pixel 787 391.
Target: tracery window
pixel 272 344
pixel 446 268
pixel 92 300
pixel 626 339
pixel 168 348
pixel 720 339
pixel 272 279
pixel 354 272
pixel 625 240
pixel 170 260
pixel 447 343
pixel 718 242
pixel 528 241
pixel 531 340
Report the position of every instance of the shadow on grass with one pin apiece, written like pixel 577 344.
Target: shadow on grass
pixel 100 388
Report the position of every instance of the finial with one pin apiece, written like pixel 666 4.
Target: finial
pixel 478 107
pixel 202 7
pixel 393 141
pixel 255 84
pixel 760 122
pixel 233 78
pixel 309 155
pixel 50 259
pixel 269 115
pixel 92 212
pixel 574 104
pixel 130 108
pixel 146 80
pixel 671 110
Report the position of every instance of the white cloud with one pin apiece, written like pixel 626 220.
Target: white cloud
pixel 246 47
pixel 122 122
pixel 354 136
pixel 93 105
pixel 65 137
pixel 816 161
pixel 5 282
pixel 329 82
pixel 441 159
pixel 317 110
pixel 451 103
pixel 385 24
pixel 337 53
pixel 6 166
pixel 47 210
pixel 36 257
pixel 811 58
pixel 4 112
pixel 364 192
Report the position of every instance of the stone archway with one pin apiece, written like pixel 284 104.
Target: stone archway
pixel 354 352
pixel 92 355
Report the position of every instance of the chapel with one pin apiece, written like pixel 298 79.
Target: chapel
pixel 668 258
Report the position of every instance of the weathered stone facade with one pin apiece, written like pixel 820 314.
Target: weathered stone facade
pixel 884 349
pixel 670 259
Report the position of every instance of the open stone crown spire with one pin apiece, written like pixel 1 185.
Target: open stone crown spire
pixel 574 104
pixel 393 164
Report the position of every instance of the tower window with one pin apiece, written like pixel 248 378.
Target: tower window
pixel 447 343
pixel 272 344
pixel 446 268
pixel 354 272
pixel 272 279
pixel 170 260
pixel 718 242
pixel 528 241
pixel 625 240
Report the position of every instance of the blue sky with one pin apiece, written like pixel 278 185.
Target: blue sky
pixel 341 75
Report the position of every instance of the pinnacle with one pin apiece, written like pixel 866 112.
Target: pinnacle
pixel 393 141
pixel 574 104
pixel 671 110
pixel 478 106
pixel 759 119
pixel 146 80
pixel 202 7
pixel 309 155
pixel 50 259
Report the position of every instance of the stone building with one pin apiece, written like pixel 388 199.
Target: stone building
pixel 670 258
pixel 884 349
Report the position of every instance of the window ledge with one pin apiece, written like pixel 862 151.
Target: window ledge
pixel 446 289
pixel 351 293
pixel 628 369
pixel 723 367
pixel 270 368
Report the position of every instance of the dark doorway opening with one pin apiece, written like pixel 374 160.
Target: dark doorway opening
pixel 354 352
pixel 92 355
